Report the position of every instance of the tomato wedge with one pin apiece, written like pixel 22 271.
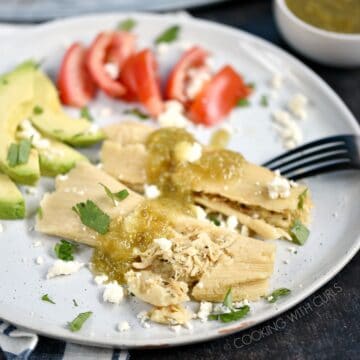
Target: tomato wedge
pixel 140 77
pixel 218 97
pixel 175 87
pixel 75 85
pixel 114 47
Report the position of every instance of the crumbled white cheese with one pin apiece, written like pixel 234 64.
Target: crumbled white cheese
pixel 163 243
pixel 197 78
pixel 277 81
pixel 244 230
pixel 29 132
pixel 62 177
pixel 189 326
pixel 186 151
pixel 112 70
pixel 101 279
pixel 220 308
pixel 151 191
pixel 200 212
pixel 297 105
pixel 278 187
pixel 113 293
pixel 242 303
pixel 39 260
pixel 232 222
pixel 123 326
pixel 37 243
pixel 293 184
pixel 61 267
pixel 144 319
pixel 162 48
pixel 270 298
pixel 173 115
pixel 176 328
pixel 93 129
pixel 204 311
pixel 287 128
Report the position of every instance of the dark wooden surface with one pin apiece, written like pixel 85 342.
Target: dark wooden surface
pixel 324 326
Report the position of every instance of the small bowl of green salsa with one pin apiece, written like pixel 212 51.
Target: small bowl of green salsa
pixel 327 31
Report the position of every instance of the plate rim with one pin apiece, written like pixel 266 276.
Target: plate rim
pixel 210 334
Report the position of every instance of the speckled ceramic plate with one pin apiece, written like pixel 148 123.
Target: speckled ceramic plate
pixel 334 231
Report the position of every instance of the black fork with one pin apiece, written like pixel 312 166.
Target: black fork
pixel 329 154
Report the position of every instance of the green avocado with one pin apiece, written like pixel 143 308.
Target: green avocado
pixel 12 204
pixel 58 158
pixel 50 119
pixel 16 100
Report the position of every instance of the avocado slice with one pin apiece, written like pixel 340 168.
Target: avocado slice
pixel 16 100
pixel 50 119
pixel 12 204
pixel 58 158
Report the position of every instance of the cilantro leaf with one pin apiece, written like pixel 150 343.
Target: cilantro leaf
pixel 12 155
pixel 137 112
pixel 85 113
pixel 213 218
pixel 169 35
pixel 231 316
pixel 243 103
pixel 46 298
pixel 92 216
pixel 274 296
pixel 264 101
pixel 302 198
pixel 228 300
pixel 126 25
pixel 299 232
pixel 79 321
pixel 18 154
pixel 38 110
pixel 121 195
pixel 64 250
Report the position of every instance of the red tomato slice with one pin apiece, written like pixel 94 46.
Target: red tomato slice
pixel 116 46
pixel 175 87
pixel 75 85
pixel 218 97
pixel 141 79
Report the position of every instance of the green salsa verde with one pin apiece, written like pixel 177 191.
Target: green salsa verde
pixel 342 16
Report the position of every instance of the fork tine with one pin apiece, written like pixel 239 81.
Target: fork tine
pixel 320 170
pixel 309 145
pixel 317 161
pixel 314 152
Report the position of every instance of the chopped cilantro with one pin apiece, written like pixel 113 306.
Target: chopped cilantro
pixel 120 195
pixel 264 101
pixel 274 296
pixel 213 218
pixel 46 298
pixel 231 316
pixel 136 112
pixel 299 232
pixel 38 110
pixel 18 154
pixel 85 113
pixel 169 35
pixel 92 216
pixel 79 321
pixel 302 198
pixel 234 314
pixel 126 25
pixel 39 212
pixel 64 250
pixel 243 103
pixel 75 303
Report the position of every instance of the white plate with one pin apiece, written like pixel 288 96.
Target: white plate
pixel 334 232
